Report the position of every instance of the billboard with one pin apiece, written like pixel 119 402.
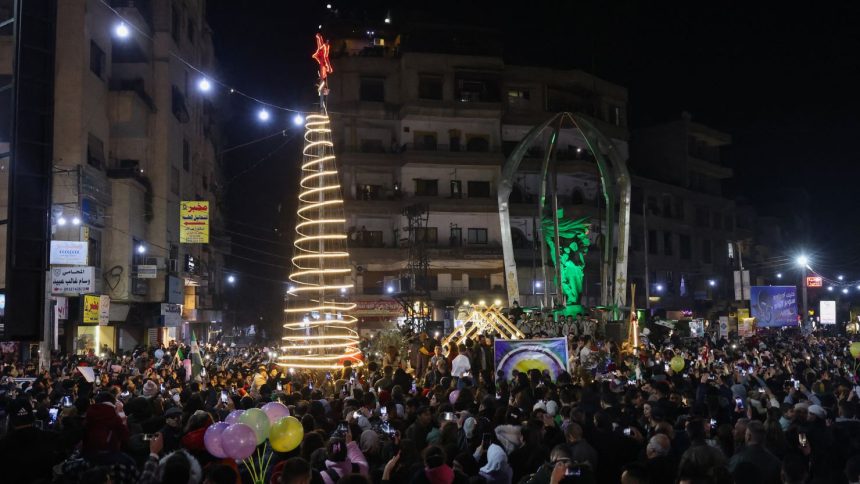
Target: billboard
pixel 774 306
pixel 814 281
pixel 828 312
pixel 194 222
pixel 527 354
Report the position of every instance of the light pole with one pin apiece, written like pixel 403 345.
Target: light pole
pixel 803 261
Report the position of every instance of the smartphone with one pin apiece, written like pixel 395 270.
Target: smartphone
pixel 53 413
pixel 713 423
pixel 328 375
pixel 67 401
pixel 279 386
pixel 352 380
pixel 341 430
pixel 414 389
pixel 573 471
pixel 796 384
pixel 666 367
pixel 628 432
pixel 162 387
pixel 383 410
pixel 739 402
pixel 801 439
pixel 448 416
pixel 356 415
pixel 486 440
pixel 311 385
pixel 223 396
pixel 147 437
pixel 343 390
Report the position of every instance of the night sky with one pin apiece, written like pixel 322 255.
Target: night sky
pixel 781 79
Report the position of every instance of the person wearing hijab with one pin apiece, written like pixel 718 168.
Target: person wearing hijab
pixel 496 470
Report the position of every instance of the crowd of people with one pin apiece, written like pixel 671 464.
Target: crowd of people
pixel 775 408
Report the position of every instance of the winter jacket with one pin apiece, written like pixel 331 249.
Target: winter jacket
pixel 355 462
pixel 104 430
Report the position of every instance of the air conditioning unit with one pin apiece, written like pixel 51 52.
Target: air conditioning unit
pixel 173 265
pixel 159 262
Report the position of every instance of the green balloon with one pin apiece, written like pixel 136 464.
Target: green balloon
pixel 258 421
pixel 677 364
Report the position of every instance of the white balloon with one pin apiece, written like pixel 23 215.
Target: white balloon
pixel 159 353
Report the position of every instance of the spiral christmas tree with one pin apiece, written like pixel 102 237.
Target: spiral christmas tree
pixel 320 332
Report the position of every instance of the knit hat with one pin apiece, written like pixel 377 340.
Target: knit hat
pixel 150 389
pixel 552 408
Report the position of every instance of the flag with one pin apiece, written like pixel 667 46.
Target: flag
pixel 196 360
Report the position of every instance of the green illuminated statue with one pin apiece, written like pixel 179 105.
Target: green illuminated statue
pixel 574 242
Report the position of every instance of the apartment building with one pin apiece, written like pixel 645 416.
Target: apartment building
pixel 132 138
pixel 434 128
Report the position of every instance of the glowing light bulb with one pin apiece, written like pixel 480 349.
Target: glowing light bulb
pixel 298 119
pixel 76 221
pixel 497 302
pixel 204 85
pixel 231 279
pixel 482 302
pixel 122 31
pixel 141 249
pixel 263 115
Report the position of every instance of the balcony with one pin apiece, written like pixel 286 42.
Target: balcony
pixel 471 153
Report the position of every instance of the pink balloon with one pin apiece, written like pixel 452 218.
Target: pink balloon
pixel 233 417
pixel 212 439
pixel 452 397
pixel 275 411
pixel 238 441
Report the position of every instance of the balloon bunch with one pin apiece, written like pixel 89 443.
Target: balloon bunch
pixel 240 434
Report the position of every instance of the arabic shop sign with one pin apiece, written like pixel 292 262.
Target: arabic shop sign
pixel 194 222
pixel 72 280
pixel 96 309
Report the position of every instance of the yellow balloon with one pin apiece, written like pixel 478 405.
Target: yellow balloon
pixel 286 434
pixel 855 349
pixel 677 364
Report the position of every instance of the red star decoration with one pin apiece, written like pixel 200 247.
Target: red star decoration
pixel 321 56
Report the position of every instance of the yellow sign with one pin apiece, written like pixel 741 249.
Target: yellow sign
pixel 194 222
pixel 91 309
pixel 743 313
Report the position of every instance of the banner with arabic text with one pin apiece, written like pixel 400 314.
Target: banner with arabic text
pixel 194 222
pixel 774 306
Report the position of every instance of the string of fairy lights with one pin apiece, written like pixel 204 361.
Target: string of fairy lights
pixel 320 264
pixel 206 83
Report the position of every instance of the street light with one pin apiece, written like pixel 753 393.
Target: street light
pixel 803 262
pixel 659 287
pixel 204 85
pixel 840 277
pixel 829 288
pixel 712 283
pixel 231 279
pixel 779 275
pixel 844 290
pixel 121 30
pixel 141 249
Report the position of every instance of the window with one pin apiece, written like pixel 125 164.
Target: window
pixel 190 30
pixel 653 208
pixel 518 96
pixel 95 152
pixel 97 60
pixel 456 189
pixel 477 236
pixel 477 144
pixel 372 89
pixel 707 251
pixel 637 200
pixel 456 239
pixel 174 180
pixel 679 208
pixel 425 140
pixel 717 219
pixel 685 246
pixel 186 155
pixel 667 243
pixel 178 105
pixel 727 222
pixel 94 253
pixel 371 146
pixel 667 206
pixel 426 188
pixel 430 88
pixel 703 216
pixel 616 115
pixel 477 90
pixel 175 23
pixel 428 235
pixel 479 283
pixel 430 282
pixel 652 242
pixel 479 189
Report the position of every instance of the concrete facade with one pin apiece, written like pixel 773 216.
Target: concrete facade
pixel 132 138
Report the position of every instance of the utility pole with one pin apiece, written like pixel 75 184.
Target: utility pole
pixel 647 273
